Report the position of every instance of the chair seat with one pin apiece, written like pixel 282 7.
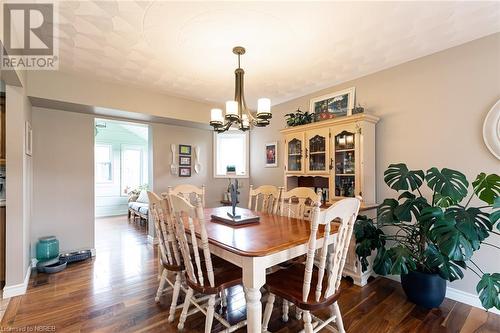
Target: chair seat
pixel 226 275
pixel 287 283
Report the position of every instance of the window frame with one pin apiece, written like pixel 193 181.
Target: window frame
pixel 111 163
pixel 247 155
pixel 123 148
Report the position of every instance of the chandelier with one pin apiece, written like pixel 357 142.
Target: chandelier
pixel 237 113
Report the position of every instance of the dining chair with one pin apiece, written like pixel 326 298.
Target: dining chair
pixel 264 198
pixel 189 192
pixel 298 202
pixel 307 286
pixel 169 252
pixel 203 275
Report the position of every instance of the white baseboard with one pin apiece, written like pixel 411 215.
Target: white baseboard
pixel 457 295
pixel 467 298
pixel 152 240
pixel 18 289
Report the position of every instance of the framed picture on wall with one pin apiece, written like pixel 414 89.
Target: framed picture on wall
pixel 337 104
pixel 184 160
pixel 184 171
pixel 271 155
pixel 184 150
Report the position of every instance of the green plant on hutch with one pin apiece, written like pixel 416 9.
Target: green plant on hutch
pixel 298 118
pixel 438 237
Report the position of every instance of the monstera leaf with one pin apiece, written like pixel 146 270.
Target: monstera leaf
pixel 443 201
pixel 472 222
pixel 447 269
pixel 450 240
pixel 382 263
pixel 447 183
pixel 495 215
pixel 399 178
pixel 487 187
pixel 428 216
pixel 488 289
pixel 385 212
pixel 412 205
pixel 402 260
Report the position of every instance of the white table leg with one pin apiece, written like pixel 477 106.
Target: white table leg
pixel 254 277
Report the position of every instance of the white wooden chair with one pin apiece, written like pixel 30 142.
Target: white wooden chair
pixel 169 253
pixel 264 198
pixel 189 192
pixel 306 284
pixel 298 202
pixel 202 274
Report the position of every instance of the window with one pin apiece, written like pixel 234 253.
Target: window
pixel 231 149
pixel 132 170
pixel 103 163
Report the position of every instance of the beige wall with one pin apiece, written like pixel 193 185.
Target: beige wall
pixel 431 110
pixel 63 178
pixel 163 136
pixel 18 187
pixel 87 90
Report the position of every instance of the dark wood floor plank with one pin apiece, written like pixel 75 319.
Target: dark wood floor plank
pixel 114 292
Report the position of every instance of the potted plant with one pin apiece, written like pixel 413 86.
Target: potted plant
pixel 429 241
pixel 298 118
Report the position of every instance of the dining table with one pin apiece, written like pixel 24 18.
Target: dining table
pixel 256 247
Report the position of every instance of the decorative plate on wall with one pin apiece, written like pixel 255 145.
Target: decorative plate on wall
pixel 491 130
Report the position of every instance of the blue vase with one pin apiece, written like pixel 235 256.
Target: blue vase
pixel 47 248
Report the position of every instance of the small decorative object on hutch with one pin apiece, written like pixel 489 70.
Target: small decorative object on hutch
pixel 358 109
pixel 271 155
pixel 333 105
pixel 337 156
pixel 298 118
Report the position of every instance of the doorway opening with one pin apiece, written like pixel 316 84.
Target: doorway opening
pixel 121 176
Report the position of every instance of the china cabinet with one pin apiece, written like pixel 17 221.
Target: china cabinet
pixel 338 157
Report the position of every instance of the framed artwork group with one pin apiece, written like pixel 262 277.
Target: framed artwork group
pixel 184 161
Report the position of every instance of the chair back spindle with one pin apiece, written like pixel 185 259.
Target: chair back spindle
pixel 299 202
pixel 167 242
pixel 264 198
pixel 182 211
pixel 346 210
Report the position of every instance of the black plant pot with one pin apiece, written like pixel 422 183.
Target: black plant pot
pixel 427 290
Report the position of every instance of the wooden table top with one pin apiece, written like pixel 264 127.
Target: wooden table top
pixel 273 234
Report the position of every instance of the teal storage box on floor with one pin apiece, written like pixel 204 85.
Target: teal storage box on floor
pixel 47 248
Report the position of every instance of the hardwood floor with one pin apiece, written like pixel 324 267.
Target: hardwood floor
pixel 114 292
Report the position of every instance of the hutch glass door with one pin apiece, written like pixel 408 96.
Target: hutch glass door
pixel 317 151
pixel 345 172
pixel 294 154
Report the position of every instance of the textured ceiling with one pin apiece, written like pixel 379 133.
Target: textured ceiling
pixel 293 48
